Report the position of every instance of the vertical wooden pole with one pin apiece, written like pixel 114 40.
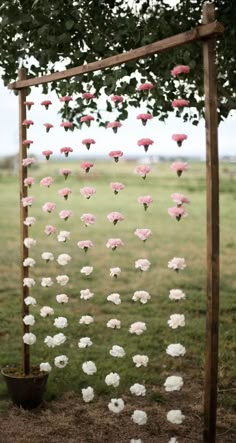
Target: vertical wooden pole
pixel 23 215
pixel 211 364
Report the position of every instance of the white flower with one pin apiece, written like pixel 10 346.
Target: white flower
pixel 176 294
pixel 89 367
pixel 114 298
pixel 29 262
pixel 46 282
pixel 176 350
pixel 29 242
pixel 48 256
pixel 29 320
pixel 61 361
pixel 112 379
pixel 30 301
pixel 115 272
pixel 45 367
pixel 140 360
pixel 29 338
pixel 85 342
pixel 173 383
pixel 175 416
pixel 86 294
pixel 62 279
pixel 134 440
pixel 46 310
pixel 86 320
pixel 117 351
pixel 29 221
pixel 177 264
pixel 139 417
pixel 173 440
pixel 29 282
pixel 62 298
pixel 63 259
pixel 88 394
pixel 49 341
pixel 63 236
pixel 143 264
pixel 113 323
pixel 138 389
pixel 86 270
pixel 137 328
pixel 176 320
pixel 142 296
pixel 60 322
pixel 59 339
pixel 116 405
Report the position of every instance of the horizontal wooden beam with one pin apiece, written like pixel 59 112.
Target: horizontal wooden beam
pixel 198 33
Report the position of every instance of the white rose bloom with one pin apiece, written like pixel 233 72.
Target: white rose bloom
pixel 140 360
pixel 114 298
pixel 62 279
pixel 29 320
pixel 88 394
pixel 62 298
pixel 59 339
pixel 60 322
pixel 143 264
pixel 63 236
pixel 49 341
pixel 138 389
pixel 113 323
pixel 30 301
pixel 115 272
pixel 137 328
pixel 89 367
pixel 63 259
pixel 112 379
pixel 175 416
pixel 46 282
pixel 45 367
pixel 177 263
pixel 86 270
pixel 85 342
pixel 29 282
pixel 176 294
pixel 139 417
pixel 48 256
pixel 85 294
pixel 173 383
pixel 46 310
pixel 176 320
pixel 29 262
pixel 142 296
pixel 29 221
pixel 176 350
pixel 117 351
pixel 29 242
pixel 29 338
pixel 86 320
pixel 61 361
pixel 116 405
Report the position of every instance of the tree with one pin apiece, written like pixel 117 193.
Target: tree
pixel 83 31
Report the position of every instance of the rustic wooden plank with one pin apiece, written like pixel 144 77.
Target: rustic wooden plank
pixel 212 320
pixel 195 34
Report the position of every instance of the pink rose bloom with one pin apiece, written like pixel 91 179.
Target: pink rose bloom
pixel 49 207
pixel 116 155
pixel 114 217
pixel 65 192
pixel 27 143
pixel 143 170
pixel 29 181
pixel 85 245
pixel 27 201
pixel 87 119
pixel 177 212
pixel 66 151
pixel 146 200
pixel 48 126
pixel 114 126
pixel 28 161
pixel 88 219
pixel 87 191
pixel 114 243
pixel 180 69
pixel 47 154
pixel 117 99
pixel 179 103
pixel 49 229
pixel 143 233
pixel 179 167
pixel 46 103
pixel 179 198
pixel 179 138
pixel 27 123
pixel 145 87
pixel 65 214
pixel 88 96
pixel 66 99
pixel 66 172
pixel 46 181
pixel 28 104
pixel 88 142
pixel 116 187
pixel 145 142
pixel 144 118
pixel 66 125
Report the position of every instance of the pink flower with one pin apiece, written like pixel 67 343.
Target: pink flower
pixel 146 200
pixel 88 219
pixel 115 155
pixel 114 125
pixel 179 103
pixel 114 243
pixel 145 87
pixel 28 161
pixel 28 104
pixel 49 207
pixel 46 103
pixel 29 181
pixel 49 229
pixel 145 142
pixel 88 142
pixel 114 217
pixel 66 125
pixel 46 181
pixel 117 99
pixel 88 96
pixel 87 119
pixel 66 151
pixel 27 143
pixel 144 118
pixel 86 166
pixel 116 187
pixel 47 154
pixel 177 212
pixel 27 123
pixel 65 192
pixel 65 172
pixel 87 191
pixel 179 199
pixel 66 99
pixel 48 126
pixel 179 167
pixel 85 245
pixel 143 170
pixel 64 214
pixel 179 138
pixel 180 69
pixel 143 233
pixel 27 201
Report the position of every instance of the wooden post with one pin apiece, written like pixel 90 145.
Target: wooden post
pixel 211 363
pixel 23 215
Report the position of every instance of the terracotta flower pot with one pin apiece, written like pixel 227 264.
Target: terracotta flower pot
pixel 25 391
